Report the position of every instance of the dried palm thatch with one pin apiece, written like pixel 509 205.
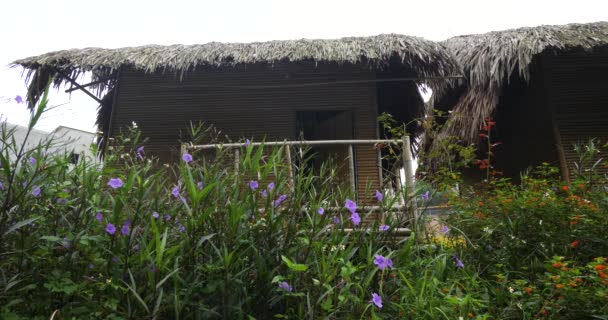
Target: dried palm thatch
pixel 490 60
pixel 428 60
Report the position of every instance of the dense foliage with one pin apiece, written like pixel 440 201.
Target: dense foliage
pixel 128 238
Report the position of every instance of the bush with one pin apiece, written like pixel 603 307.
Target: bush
pixel 130 238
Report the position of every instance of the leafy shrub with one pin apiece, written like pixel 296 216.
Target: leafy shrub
pixel 128 237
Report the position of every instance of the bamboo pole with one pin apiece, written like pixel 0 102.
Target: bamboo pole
pixel 351 168
pixel 289 167
pixel 297 143
pixel 236 160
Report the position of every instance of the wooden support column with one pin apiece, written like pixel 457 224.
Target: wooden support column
pixel 289 166
pixel 351 168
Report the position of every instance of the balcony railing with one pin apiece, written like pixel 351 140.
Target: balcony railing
pixel 406 154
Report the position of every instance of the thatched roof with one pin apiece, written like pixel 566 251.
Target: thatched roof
pixel 425 58
pixel 489 60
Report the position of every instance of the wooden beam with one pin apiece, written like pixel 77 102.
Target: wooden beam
pixel 73 82
pixel 86 85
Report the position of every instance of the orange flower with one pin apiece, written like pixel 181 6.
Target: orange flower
pixel 528 290
pixel 559 286
pixel 574 244
pixel 470 315
pixel 557 265
pixel 600 267
pixel 554 278
pixel 602 275
pixel 565 188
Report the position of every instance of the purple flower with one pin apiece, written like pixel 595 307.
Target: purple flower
pixel 62 201
pixel 126 228
pixel 278 202
pixel 425 196
pixel 445 229
pixel 32 160
pixel 18 99
pixel 350 205
pixel 379 196
pixel 200 185
pixel 99 216
pixel 1 186
pixel 253 184
pixel 459 263
pixel 175 191
pixel 115 183
pixel 383 227
pixel 377 300
pixel 110 228
pixel 36 191
pixel 181 227
pixel 167 217
pixel 285 286
pixel 336 220
pixel 155 215
pixel 321 211
pixel 264 193
pixel 270 186
pixel 136 247
pixel 383 262
pixel 247 142
pixel 187 157
pixel 355 218
pixel 66 243
pixel 140 152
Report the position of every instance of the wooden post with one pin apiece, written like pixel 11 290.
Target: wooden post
pixel 289 166
pixel 351 168
pixel 409 194
pixel 381 181
pixel 236 160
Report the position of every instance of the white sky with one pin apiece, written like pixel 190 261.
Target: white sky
pixel 31 27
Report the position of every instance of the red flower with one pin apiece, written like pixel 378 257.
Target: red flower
pixel 565 188
pixel 600 267
pixel 574 244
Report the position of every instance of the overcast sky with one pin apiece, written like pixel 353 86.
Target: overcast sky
pixel 31 27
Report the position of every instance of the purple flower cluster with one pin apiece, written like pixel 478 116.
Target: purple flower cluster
pixel 383 262
pixel 253 185
pixel 377 300
pixel 352 207
pixel 383 227
pixel 36 191
pixel 278 201
pixel 458 262
pixel 126 228
pixel 379 196
pixel 115 183
pixel 283 285
pixel 187 157
pixel 140 153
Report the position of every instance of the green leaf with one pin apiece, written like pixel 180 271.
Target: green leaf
pixel 20 224
pixel 294 266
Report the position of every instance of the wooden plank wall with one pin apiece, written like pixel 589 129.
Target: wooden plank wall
pixel 578 94
pixel 163 106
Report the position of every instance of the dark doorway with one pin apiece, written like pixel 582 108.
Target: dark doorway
pixel 326 125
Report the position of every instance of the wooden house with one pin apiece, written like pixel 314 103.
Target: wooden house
pixel 545 87
pixel 272 91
